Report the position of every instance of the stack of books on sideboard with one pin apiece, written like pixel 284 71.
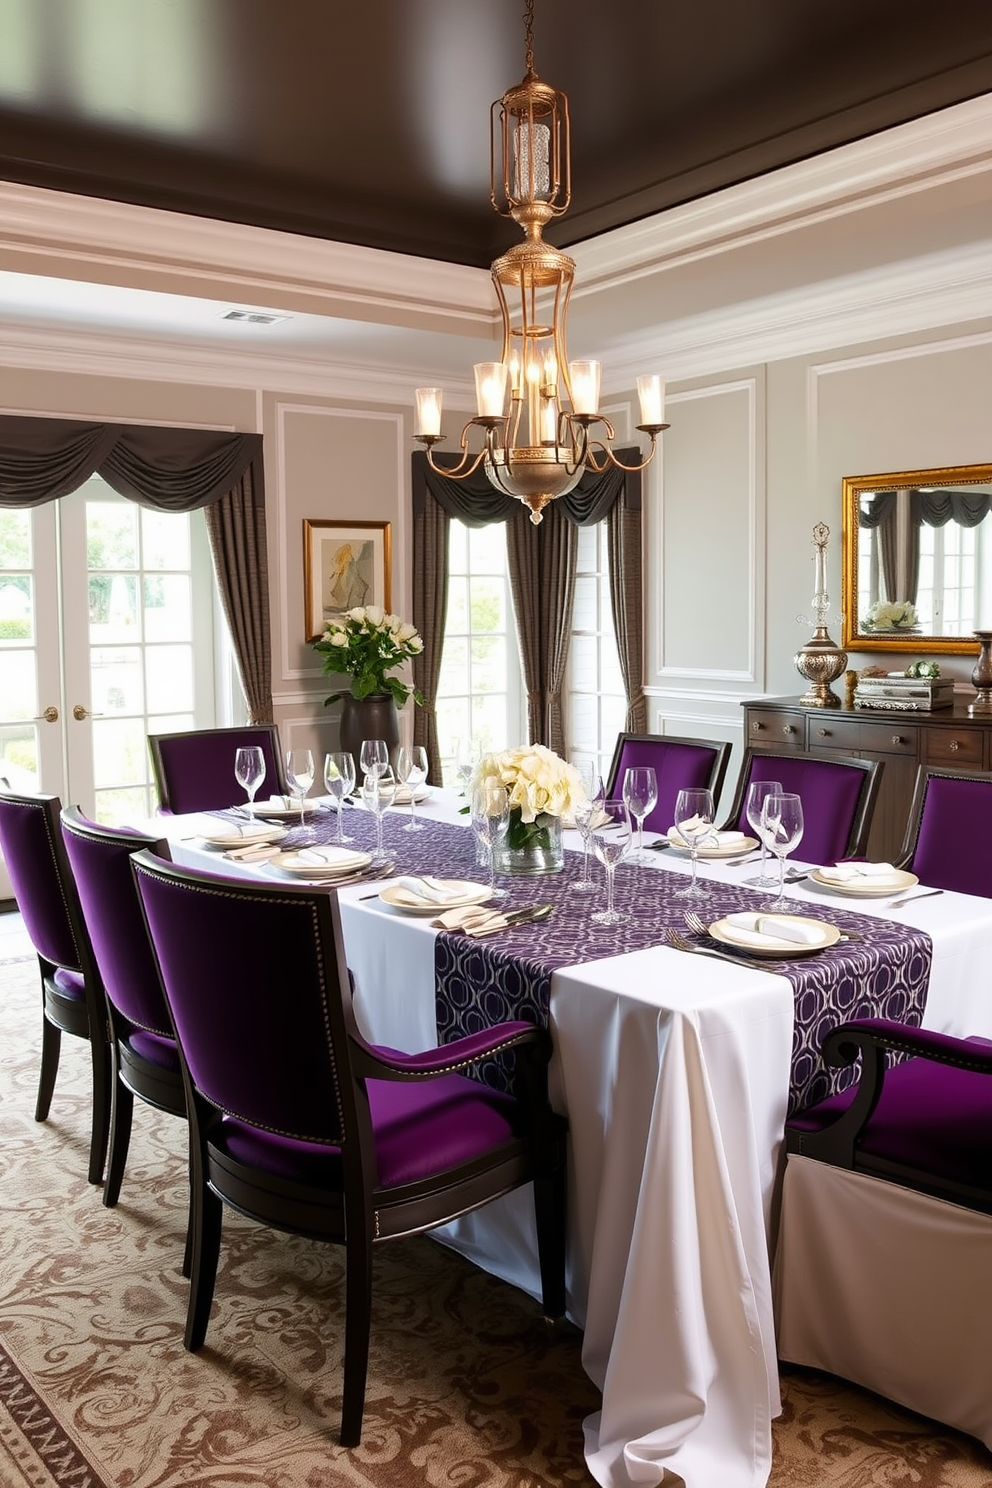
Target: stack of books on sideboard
pixel 905 694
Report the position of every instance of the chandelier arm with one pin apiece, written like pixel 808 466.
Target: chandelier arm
pixel 468 464
pixel 630 469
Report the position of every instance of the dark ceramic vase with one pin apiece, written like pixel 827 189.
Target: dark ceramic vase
pixel 373 717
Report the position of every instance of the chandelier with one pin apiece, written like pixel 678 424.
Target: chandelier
pixel 544 444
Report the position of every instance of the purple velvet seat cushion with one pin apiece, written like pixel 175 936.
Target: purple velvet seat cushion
pixel 952 846
pixel 421 1128
pixel 931 1117
pixel 70 984
pixel 677 767
pixel 830 793
pixel 154 1048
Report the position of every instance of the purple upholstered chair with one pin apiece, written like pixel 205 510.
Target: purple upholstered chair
pixel 838 797
pixel 678 764
pixel 144 1057
pixel 194 771
pixel 949 831
pixel 72 997
pixel 299 1124
pixel 881 1268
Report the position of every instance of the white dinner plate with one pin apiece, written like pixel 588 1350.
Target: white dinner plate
pixel 251 834
pixel 866 888
pixel 734 850
pixel 778 950
pixel 334 862
pixel 281 813
pixel 402 796
pixel 462 892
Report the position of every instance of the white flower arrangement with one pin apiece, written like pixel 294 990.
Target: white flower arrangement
pixel 891 615
pixel 538 785
pixel 366 644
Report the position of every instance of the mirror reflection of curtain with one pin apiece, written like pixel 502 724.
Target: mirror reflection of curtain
pixel 898 524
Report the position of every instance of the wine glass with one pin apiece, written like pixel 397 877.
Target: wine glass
pixel 640 796
pixel 467 755
pixel 374 756
pixel 490 820
pixel 299 778
pixel 587 813
pixel 411 771
pixel 249 771
pixel 378 792
pixel 339 781
pixel 782 828
pixel 756 793
pixel 694 811
pixel 611 845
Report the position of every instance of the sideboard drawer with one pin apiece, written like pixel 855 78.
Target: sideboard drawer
pixel 953 746
pixel 773 728
pixel 843 734
pixel 882 736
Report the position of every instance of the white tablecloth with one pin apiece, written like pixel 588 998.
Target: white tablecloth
pixel 674 1075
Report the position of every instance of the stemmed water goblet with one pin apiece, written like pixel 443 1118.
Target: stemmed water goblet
pixel 249 771
pixel 694 812
pixel 640 796
pixel 378 792
pixel 299 778
pixel 339 781
pixel 611 845
pixel 587 813
pixel 411 771
pixel 374 757
pixel 782 829
pixel 490 820
pixel 756 793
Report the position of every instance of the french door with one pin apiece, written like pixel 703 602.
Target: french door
pixel 100 602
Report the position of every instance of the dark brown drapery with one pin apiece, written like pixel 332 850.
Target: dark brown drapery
pixel 175 470
pixel 542 562
pixel 430 605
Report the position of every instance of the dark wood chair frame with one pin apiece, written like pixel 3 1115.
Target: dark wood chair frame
pixel 857 839
pixel 720 749
pixel 155 742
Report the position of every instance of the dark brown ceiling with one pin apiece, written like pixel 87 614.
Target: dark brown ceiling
pixel 369 123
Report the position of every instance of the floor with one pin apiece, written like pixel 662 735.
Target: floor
pixel 14 942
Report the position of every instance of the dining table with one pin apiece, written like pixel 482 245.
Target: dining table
pixel 676 1071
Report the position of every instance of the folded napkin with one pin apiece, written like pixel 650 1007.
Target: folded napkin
pixel 713 838
pixel 328 857
pixel 429 890
pixel 760 930
pixel 870 874
pixel 469 917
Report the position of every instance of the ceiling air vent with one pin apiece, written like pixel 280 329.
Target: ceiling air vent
pixel 254 317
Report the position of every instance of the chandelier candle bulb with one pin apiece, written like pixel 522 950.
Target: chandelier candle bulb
pixel 428 413
pixel 490 388
pixel 549 422
pixel 651 394
pixel 585 378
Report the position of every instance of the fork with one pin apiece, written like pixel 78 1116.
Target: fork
pixel 679 943
pixel 695 923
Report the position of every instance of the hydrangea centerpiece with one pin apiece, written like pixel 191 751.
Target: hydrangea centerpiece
pixel 541 789
pixel 366 644
pixel 891 615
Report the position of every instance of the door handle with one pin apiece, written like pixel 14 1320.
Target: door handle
pixel 79 713
pixel 50 715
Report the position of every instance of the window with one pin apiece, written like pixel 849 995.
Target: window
pixel 596 701
pixel 479 693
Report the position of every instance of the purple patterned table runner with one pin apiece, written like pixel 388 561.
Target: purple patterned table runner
pixel 482 982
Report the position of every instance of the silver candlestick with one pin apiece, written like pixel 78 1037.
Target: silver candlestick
pixel 820 662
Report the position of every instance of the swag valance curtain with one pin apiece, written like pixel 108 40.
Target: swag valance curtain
pixel 542 562
pixel 173 470
pixel 899 544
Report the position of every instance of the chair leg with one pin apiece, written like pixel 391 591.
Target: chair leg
pixel 100 1127
pixel 51 1045
pixel 208 1217
pixel 358 1326
pixel 121 1115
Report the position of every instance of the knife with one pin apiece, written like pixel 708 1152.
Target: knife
pixel 512 917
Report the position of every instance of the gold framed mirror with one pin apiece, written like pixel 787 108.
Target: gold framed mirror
pixel 917 559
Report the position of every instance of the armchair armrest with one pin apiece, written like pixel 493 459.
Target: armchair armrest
pixel 849 1040
pixel 376 1062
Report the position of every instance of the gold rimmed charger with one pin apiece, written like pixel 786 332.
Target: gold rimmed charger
pixel 459 892
pixel 867 887
pixel 777 950
pixel 252 834
pixel 321 862
pixel 736 849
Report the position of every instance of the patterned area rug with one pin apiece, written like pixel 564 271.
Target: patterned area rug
pixel 465 1388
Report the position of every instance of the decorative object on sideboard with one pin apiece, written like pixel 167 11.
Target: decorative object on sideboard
pixel 820 661
pixel 982 675
pixel 919 689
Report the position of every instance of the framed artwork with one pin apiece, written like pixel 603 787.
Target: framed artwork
pixel 344 564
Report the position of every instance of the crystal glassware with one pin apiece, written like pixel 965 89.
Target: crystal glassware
pixel 640 796
pixel 249 771
pixel 378 793
pixel 299 778
pixel 411 771
pixel 587 813
pixel 782 828
pixel 374 756
pixel 339 781
pixel 490 820
pixel 694 812
pixel 611 845
pixel 756 793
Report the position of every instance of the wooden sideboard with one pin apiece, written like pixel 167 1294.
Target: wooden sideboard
pixel 902 741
